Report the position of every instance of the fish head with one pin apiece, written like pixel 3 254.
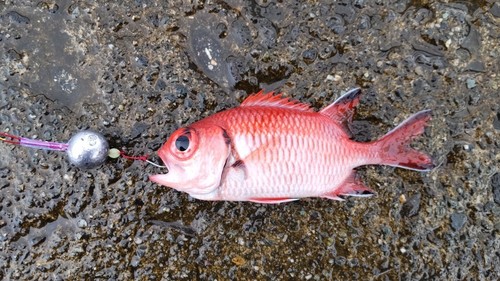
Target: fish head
pixel 195 158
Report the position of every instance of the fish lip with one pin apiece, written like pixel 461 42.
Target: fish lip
pixel 163 158
pixel 158 177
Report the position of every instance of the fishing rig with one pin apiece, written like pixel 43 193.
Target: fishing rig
pixel 86 149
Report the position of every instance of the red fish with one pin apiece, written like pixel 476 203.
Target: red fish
pixel 273 150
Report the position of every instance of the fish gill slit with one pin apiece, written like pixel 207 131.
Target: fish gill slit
pixel 227 138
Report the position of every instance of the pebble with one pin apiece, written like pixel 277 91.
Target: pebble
pixel 238 260
pixel 82 223
pixel 495 10
pixel 458 220
pixel 476 66
pixel 135 261
pixel 334 78
pixel 448 43
pixel 241 241
pixel 495 185
pixel 411 206
pixel 471 83
pixel 473 41
pixel 419 71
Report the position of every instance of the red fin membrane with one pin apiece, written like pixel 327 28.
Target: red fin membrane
pixel 395 147
pixel 343 108
pixel 272 200
pixel 271 100
pixel 350 187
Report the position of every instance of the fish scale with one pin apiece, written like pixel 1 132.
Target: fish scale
pixel 274 150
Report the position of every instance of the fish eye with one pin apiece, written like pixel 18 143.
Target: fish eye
pixel 182 143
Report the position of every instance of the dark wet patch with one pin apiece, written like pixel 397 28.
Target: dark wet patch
pixel 15 18
pixel 207 49
pixel 50 61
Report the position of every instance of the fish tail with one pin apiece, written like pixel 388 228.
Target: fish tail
pixel 394 148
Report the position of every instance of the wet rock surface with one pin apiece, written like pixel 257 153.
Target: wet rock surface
pixel 138 70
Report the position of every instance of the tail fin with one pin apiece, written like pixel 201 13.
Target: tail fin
pixel 394 147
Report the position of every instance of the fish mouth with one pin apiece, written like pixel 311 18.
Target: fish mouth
pixel 161 179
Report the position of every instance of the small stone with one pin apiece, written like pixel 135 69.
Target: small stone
pixel 402 199
pixel 471 83
pixel 82 223
pixel 476 66
pixel 419 71
pixel 411 206
pixel 337 78
pixel 241 241
pixel 135 261
pixel 309 56
pixel 495 185
pixel 238 260
pixel 458 220
pixel 447 43
pixel 473 41
pixel 495 10
pixel 75 251
pixel 496 122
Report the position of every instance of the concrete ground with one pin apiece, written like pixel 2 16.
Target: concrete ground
pixel 138 70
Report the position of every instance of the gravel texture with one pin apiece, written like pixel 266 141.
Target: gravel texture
pixel 137 70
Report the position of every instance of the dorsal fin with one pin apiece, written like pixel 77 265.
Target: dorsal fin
pixel 271 100
pixel 342 109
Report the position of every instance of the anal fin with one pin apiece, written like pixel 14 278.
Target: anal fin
pixel 350 187
pixel 272 200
